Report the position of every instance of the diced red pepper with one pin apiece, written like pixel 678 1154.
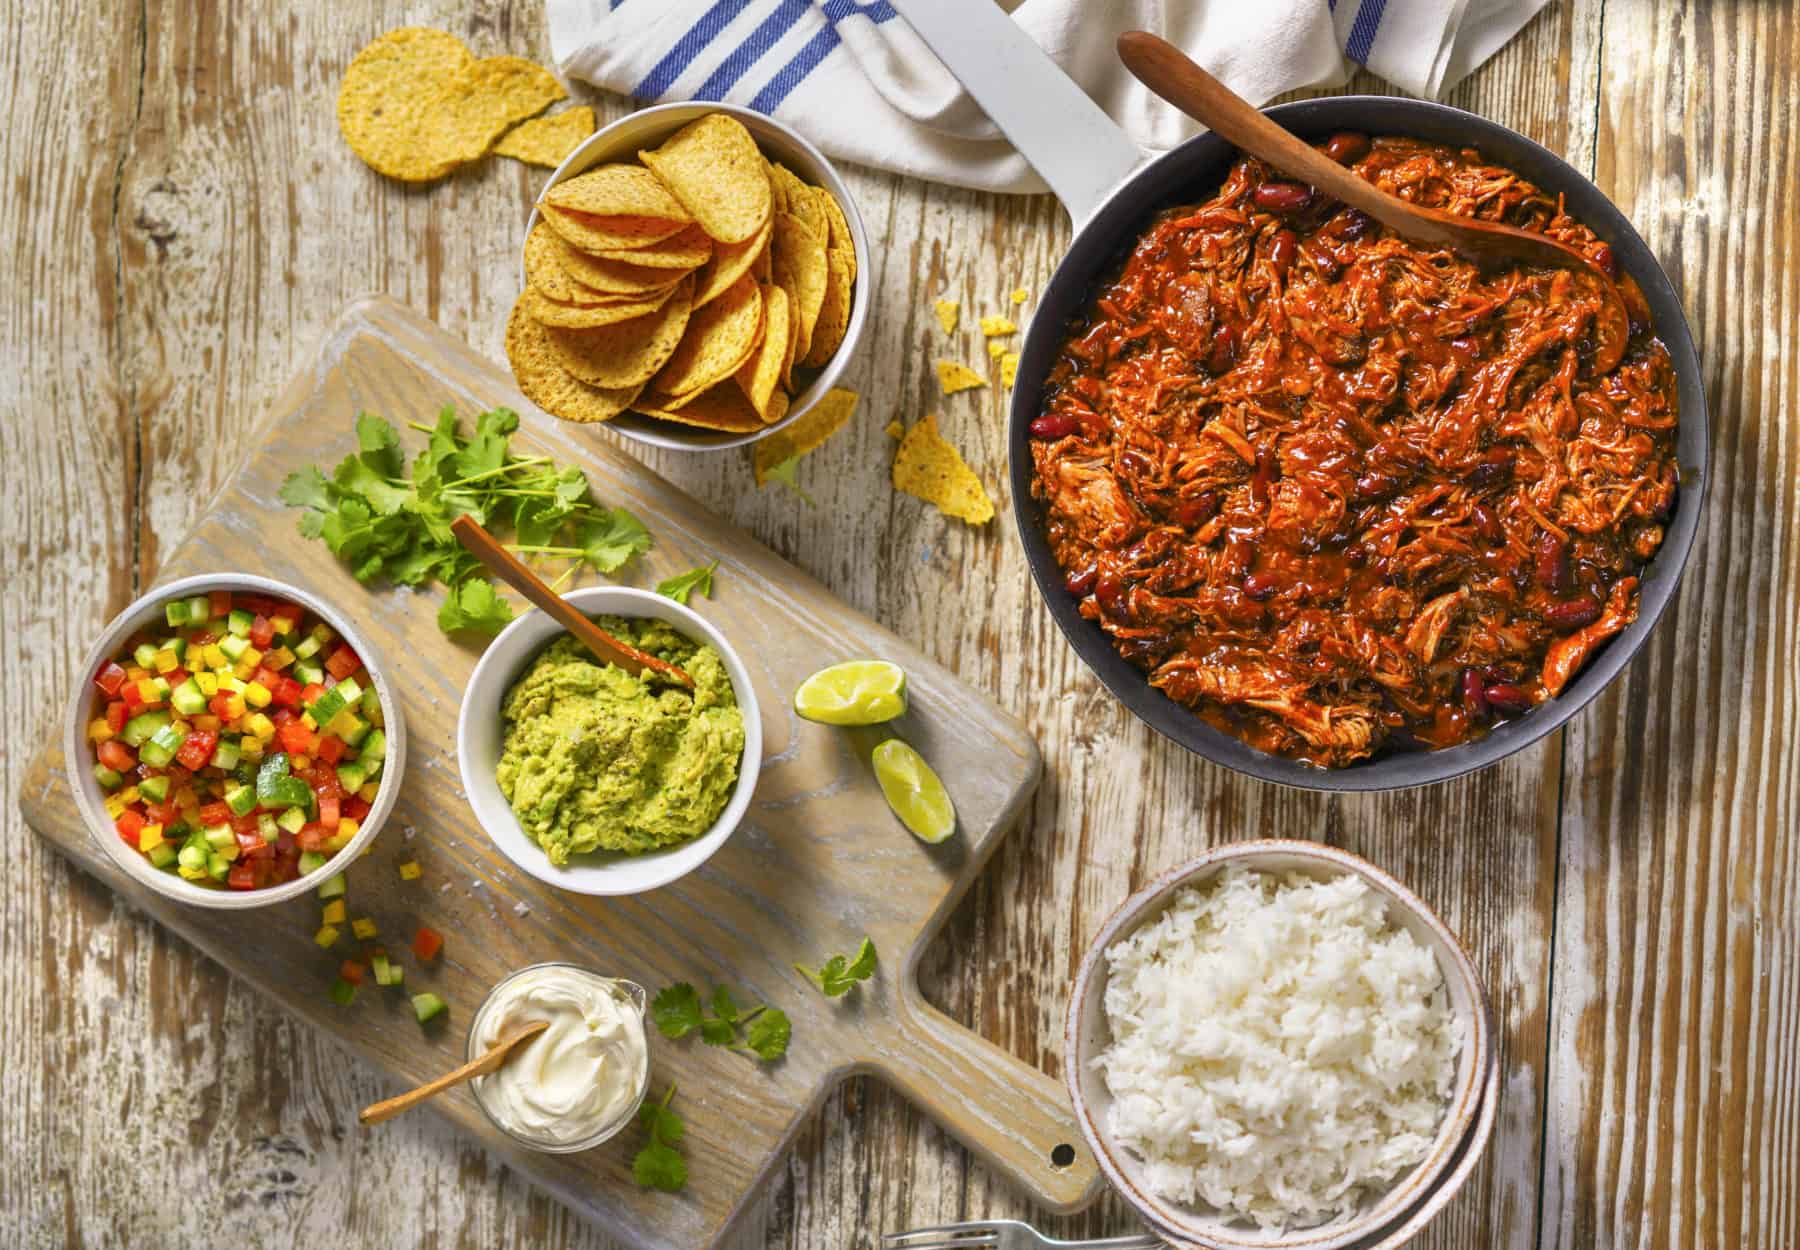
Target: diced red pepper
pixel 164 814
pixel 116 715
pixel 198 750
pixel 262 633
pixel 286 691
pixel 242 875
pixel 220 705
pixel 284 715
pixel 352 972
pixel 328 811
pixel 342 663
pixel 219 602
pixel 175 677
pixel 295 738
pixel 267 678
pixel 312 837
pixel 330 748
pixel 205 638
pixel 129 824
pixel 426 943
pixel 214 814
pixel 110 677
pixel 116 756
pixel 311 693
pixel 249 840
pixel 354 806
pixel 133 697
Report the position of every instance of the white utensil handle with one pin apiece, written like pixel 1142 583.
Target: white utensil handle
pixel 1062 133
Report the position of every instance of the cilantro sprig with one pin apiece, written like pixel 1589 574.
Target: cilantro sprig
pixel 840 974
pixel 659 1165
pixel 682 585
pixel 385 524
pixel 762 1030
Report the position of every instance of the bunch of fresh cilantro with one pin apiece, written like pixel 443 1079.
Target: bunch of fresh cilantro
pixel 384 524
pixel 765 1030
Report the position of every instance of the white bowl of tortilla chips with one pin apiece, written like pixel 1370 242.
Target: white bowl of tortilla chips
pixel 694 275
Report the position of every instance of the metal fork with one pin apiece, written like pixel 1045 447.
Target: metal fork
pixel 1006 1235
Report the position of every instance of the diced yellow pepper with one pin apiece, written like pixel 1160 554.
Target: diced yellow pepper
pixel 363 928
pixel 367 793
pixel 333 913
pixel 115 806
pixel 190 874
pixel 410 870
pixel 147 691
pixel 134 673
pixel 306 718
pixel 208 722
pixel 260 725
pixel 231 683
pixel 257 695
pixel 128 795
pixel 150 837
pixel 208 683
pixel 326 936
pixel 283 625
pixel 99 730
pixel 252 657
pixel 235 705
pixel 279 659
pixel 347 828
pixel 250 748
pixel 337 841
pixel 299 763
pixel 243 671
pixel 215 656
pixel 167 661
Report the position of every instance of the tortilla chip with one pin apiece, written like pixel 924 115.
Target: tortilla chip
pixel 619 190
pixel 625 353
pixel 545 272
pixel 946 310
pixel 801 202
pixel 953 377
pixel 731 261
pixel 602 235
pixel 1009 368
pixel 997 324
pixel 721 407
pixel 714 168
pixel 547 141
pixel 996 350
pixel 583 315
pixel 387 103
pixel 810 429
pixel 760 375
pixel 838 229
pixel 1020 295
pixel 491 96
pixel 688 250
pixel 778 408
pixel 928 467
pixel 719 338
pixel 800 264
pixel 762 268
pixel 547 384
pixel 894 430
pixel 777 188
pixel 834 310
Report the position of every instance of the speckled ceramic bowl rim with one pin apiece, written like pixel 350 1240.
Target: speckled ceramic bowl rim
pixel 92 802
pixel 1459 1115
pixel 640 998
pixel 652 125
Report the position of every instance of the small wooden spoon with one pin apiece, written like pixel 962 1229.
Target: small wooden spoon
pixel 511 570
pixel 496 1055
pixel 1168 71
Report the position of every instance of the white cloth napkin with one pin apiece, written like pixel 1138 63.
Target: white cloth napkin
pixel 853 78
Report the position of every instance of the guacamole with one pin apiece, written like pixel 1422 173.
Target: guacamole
pixel 596 759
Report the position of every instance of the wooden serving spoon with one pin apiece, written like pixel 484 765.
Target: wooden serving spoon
pixel 496 1055
pixel 511 570
pixel 1168 71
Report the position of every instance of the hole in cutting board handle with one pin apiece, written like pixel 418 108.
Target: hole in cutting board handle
pixel 1062 1156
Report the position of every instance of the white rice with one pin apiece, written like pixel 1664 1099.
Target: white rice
pixel 1279 1051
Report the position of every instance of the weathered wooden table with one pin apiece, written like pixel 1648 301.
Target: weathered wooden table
pixel 182 221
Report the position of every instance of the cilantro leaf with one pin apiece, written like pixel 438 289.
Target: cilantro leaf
pixel 379 445
pixel 768 1034
pixel 611 538
pixel 839 974
pixel 357 477
pixel 657 1166
pixel 486 452
pixel 718 1032
pixel 863 966
pixel 682 585
pixel 660 1122
pixel 474 606
pixel 784 473
pixel 307 489
pixel 676 1010
pixel 723 1007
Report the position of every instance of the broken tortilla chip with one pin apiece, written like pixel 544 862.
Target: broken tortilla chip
pixel 547 384
pixel 895 430
pixel 547 141
pixel 624 353
pixel 1009 368
pixel 931 469
pixel 947 311
pixel 996 350
pixel 997 324
pixel 719 338
pixel 1020 295
pixel 714 168
pixel 810 429
pixel 953 377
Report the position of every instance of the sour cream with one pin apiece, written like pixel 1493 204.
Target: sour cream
pixel 579 1080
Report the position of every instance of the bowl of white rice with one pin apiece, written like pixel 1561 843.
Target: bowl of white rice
pixel 1277 1045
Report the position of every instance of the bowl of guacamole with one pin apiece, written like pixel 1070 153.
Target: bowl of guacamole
pixel 599 781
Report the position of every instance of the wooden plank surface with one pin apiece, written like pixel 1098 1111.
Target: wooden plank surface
pixel 184 222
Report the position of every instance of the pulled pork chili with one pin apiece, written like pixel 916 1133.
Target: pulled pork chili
pixel 1342 494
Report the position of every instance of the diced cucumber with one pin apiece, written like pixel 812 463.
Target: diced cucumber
pixel 162 855
pixel 192 857
pixel 144 655
pixel 241 800
pixel 234 647
pixel 177 646
pixel 266 825
pixel 326 706
pixel 108 779
pixel 311 861
pixel 333 888
pixel 352 776
pixel 375 748
pixel 292 820
pixel 217 866
pixel 187 698
pixel 199 607
pixel 273 769
pixel 227 754
pixel 307 647
pixel 349 690
pixel 285 792
pixel 175 612
pixel 428 1007
pixel 156 789
pixel 239 622
pixel 370 706
pixel 218 837
pixel 308 673
pixel 348 726
pixel 342 992
pixel 386 973
pixel 140 728
pixel 162 747
pixel 159 686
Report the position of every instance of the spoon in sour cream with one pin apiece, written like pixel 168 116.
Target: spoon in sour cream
pixel 483 1064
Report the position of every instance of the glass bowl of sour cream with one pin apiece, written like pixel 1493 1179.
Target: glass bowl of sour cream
pixel 581 1080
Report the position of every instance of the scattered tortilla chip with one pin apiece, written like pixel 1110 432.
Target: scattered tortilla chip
pixel 800 265
pixel 689 249
pixel 625 353
pixel 602 234
pixel 719 338
pixel 812 428
pixel 547 141
pixel 953 377
pixel 834 310
pixel 997 324
pixel 714 168
pixel 619 190
pixel 947 311
pixel 760 375
pixel 996 350
pixel 547 384
pixel 721 407
pixel 387 103
pixel 895 430
pixel 933 470
pixel 552 312
pixel 1009 368
pixel 1020 295
pixel 731 261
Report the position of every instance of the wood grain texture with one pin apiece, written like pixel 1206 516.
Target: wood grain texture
pixel 185 221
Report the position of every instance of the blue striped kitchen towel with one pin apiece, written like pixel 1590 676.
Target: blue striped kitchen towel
pixel 853 78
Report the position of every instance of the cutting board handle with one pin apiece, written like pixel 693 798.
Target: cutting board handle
pixel 1010 1114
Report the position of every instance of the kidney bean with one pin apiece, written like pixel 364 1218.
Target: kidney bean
pixel 1262 584
pixel 1081 581
pixel 1473 696
pixel 1553 562
pixel 1321 259
pixel 1348 147
pixel 1354 224
pixel 1571 614
pixel 1495 464
pixel 1053 425
pixel 1223 353
pixel 1281 197
pixel 1193 513
pixel 1604 258
pixel 1282 250
pixel 1487 522
pixel 1134 463
pixel 1467 346
pixel 1356 555
pixel 1109 593
pixel 1506 699
pixel 1374 485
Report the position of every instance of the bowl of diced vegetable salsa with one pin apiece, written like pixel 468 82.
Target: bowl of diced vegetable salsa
pixel 233 741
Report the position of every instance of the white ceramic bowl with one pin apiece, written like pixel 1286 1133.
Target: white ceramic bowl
pixel 1087 1034
pixel 479 733
pixel 647 128
pixel 84 705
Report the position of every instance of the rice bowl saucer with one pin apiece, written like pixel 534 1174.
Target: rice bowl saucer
pixel 1087 1034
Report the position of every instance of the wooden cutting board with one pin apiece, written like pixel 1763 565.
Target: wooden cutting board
pixel 818 863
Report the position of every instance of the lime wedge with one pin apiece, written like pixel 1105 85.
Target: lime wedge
pixel 914 791
pixel 856 692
